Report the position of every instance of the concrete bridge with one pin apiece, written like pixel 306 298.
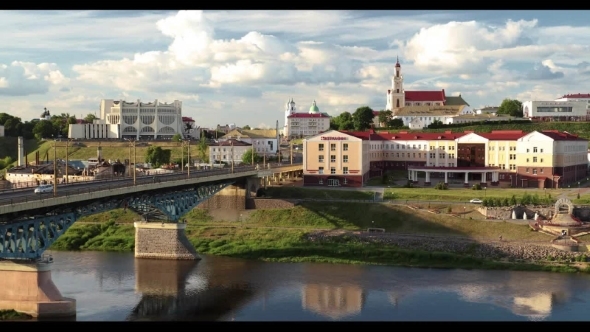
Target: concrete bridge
pixel 30 223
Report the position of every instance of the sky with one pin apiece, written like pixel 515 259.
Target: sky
pixel 242 67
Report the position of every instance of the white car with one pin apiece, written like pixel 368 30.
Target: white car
pixel 42 189
pixel 475 201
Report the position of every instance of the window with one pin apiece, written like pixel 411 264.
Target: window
pixel 332 147
pixel 321 159
pixel 332 170
pixel 345 170
pixel 541 152
pixel 534 159
pixel 527 160
pixel 332 158
pixel 534 171
pixel 345 159
pixel 541 161
pixel 541 170
pixel 321 147
pixel 321 170
pixel 535 149
pixel 345 146
pixel 527 150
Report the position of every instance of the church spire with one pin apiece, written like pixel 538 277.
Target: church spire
pixel 397 62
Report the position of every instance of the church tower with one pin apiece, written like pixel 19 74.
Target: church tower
pixel 395 96
pixel 289 109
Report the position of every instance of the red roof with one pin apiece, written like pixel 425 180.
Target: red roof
pixel 405 136
pixel 561 136
pixel 577 95
pixel 425 96
pixel 187 119
pixel 307 115
pixel 503 135
pixel 376 113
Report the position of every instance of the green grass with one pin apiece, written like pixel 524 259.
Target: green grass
pixel 464 195
pixel 110 150
pixel 310 193
pixel 391 177
pixel 13 315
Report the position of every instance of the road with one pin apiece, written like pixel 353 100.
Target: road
pixel 27 194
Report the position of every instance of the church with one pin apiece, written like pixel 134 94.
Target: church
pixel 418 109
pixel 299 125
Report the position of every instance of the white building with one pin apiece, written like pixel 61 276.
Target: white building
pixel 228 150
pixel 264 141
pixel 304 124
pixel 155 120
pixel 1 131
pixel 419 117
pixel 555 110
pixel 487 110
pixel 581 97
pixel 99 129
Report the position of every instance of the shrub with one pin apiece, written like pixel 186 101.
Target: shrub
pixel 476 186
pixel 441 186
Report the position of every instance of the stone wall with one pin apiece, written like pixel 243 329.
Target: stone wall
pixel 269 203
pixel 163 241
pixel 505 213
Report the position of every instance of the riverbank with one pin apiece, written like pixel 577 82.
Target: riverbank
pixel 331 232
pixel 8 315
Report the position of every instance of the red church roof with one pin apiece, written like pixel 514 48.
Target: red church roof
pixel 187 119
pixel 577 95
pixel 413 96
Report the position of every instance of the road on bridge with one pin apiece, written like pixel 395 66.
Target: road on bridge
pixel 8 197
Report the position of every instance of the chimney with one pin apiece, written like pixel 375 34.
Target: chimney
pixel 99 153
pixel 21 151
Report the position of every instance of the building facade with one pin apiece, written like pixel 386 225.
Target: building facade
pixel 299 125
pixel 547 111
pixel 137 120
pixel 228 150
pixel 263 141
pixel 335 159
pixel 99 129
pixel 547 159
pixel 579 97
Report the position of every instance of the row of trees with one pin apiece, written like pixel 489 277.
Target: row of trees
pixel 362 119
pixel 526 199
pixel 57 126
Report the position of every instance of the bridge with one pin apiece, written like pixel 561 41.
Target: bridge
pixel 30 223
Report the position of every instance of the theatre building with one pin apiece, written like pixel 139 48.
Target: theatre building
pixel 335 159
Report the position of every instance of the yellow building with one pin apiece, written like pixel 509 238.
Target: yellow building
pixel 505 157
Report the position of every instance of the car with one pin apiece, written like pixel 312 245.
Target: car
pixel 45 188
pixel 476 201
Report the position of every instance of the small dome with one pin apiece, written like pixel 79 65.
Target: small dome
pixel 314 109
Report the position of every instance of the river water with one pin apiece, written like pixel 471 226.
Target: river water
pixel 117 287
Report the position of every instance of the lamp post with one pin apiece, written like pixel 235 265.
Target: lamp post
pixel 291 147
pixel 129 163
pixel 188 169
pixel 55 168
pixel 232 156
pixel 134 163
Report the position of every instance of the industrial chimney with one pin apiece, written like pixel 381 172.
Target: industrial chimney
pixel 21 151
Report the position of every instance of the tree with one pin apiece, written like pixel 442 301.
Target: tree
pixel 203 149
pixel 89 118
pixel 511 107
pixel 157 156
pixel 436 124
pixel 43 129
pixel 247 157
pixel 384 118
pixel 177 138
pixel 362 118
pixel 395 123
pixel 246 127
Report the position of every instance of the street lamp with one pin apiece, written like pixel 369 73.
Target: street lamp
pixel 188 169
pixel 55 168
pixel 485 192
pixel 232 156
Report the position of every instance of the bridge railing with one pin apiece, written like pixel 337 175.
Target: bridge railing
pixel 67 190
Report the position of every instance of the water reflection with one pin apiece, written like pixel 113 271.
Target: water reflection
pixel 118 287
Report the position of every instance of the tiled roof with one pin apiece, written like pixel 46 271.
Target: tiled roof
pixel 187 119
pixel 577 95
pixel 308 115
pixel 429 110
pixel 253 133
pixel 231 142
pixel 403 136
pixel 455 100
pixel 425 96
pixel 561 136
pixel 503 135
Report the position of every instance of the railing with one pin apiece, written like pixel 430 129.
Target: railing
pixel 67 190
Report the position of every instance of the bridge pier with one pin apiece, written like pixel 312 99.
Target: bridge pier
pixel 163 241
pixel 27 287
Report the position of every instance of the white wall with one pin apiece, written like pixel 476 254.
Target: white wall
pixel 217 153
pixel 93 130
pixel 530 108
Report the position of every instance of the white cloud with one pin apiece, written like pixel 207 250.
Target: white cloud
pixel 27 78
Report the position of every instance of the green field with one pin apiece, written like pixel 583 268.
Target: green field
pixel 465 195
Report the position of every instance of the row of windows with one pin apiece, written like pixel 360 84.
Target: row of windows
pixel 332 170
pixel 333 147
pixel 534 171
pixel 503 148
pixel 534 159
pixel 333 159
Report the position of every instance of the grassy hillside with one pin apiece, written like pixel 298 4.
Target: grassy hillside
pixel 578 128
pixel 9 147
pixel 110 150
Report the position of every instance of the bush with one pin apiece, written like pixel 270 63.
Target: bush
pixel 476 186
pixel 441 186
pixel 505 202
pixel 449 209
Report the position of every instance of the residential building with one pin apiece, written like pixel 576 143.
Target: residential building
pixel 1 131
pixel 298 125
pixel 228 150
pixel 419 117
pixel 583 97
pixel 227 128
pixel 335 159
pixel 263 141
pixel 547 159
pixel 137 120
pixel 547 111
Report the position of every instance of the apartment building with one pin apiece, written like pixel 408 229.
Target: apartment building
pixel 547 159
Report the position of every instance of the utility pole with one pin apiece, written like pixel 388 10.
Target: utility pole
pixel 252 154
pixel 182 158
pixel 67 145
pixel 134 164
pixel 129 162
pixel 291 146
pixel 264 158
pixel 55 168
pixel 188 169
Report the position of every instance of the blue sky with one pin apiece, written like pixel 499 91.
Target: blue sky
pixel 242 66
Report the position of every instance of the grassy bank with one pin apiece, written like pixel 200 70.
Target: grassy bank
pixel 13 315
pixel 280 235
pixel 310 193
pixel 464 195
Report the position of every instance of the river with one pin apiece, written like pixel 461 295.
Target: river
pixel 117 287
